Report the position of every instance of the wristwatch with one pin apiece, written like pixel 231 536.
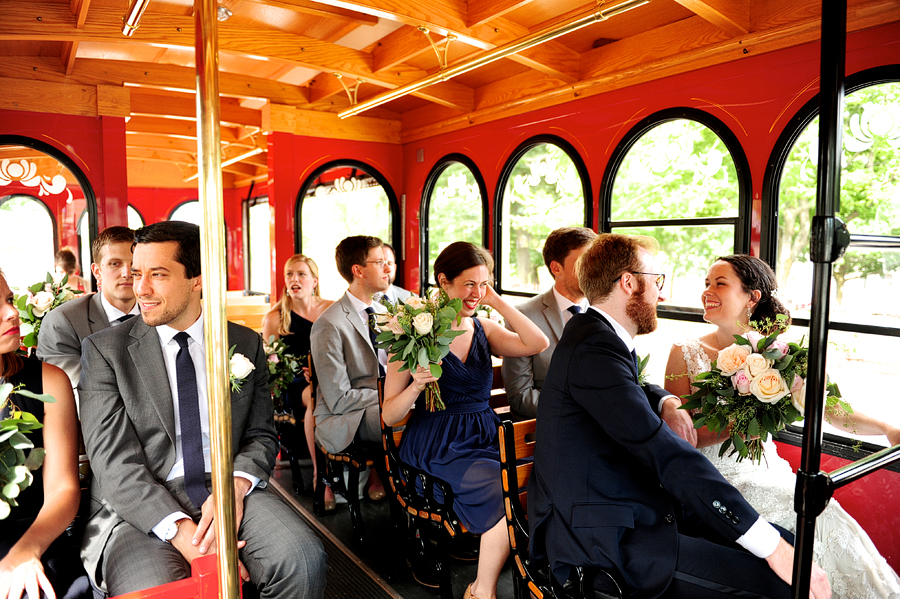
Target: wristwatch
pixel 171 531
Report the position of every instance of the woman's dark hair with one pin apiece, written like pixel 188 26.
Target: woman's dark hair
pixel 756 275
pixel 12 363
pixel 66 259
pixel 460 256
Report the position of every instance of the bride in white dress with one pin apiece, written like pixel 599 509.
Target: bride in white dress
pixel 740 288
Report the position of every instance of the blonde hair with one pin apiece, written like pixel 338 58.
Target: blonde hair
pixel 284 304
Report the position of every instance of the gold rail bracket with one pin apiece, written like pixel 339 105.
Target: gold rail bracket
pixel 598 10
pixel 441 53
pixel 351 93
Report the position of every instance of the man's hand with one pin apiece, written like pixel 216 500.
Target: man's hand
pixel 204 538
pixel 679 420
pixel 183 541
pixel 782 563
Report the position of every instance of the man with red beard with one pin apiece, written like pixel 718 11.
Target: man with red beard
pixel 612 486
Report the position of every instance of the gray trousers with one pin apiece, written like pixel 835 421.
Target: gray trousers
pixel 284 558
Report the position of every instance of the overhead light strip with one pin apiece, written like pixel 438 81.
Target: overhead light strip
pixel 529 41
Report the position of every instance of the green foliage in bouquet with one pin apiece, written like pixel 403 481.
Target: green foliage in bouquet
pixel 283 367
pixel 755 388
pixel 39 299
pixel 418 333
pixel 15 467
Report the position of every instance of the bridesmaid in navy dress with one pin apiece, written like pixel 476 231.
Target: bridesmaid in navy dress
pixel 459 444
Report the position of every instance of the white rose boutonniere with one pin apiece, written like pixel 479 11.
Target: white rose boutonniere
pixel 240 368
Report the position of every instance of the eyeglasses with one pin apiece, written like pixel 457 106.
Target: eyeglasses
pixel 378 263
pixel 660 278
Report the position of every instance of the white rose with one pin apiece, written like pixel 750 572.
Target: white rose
pixel 732 358
pixel 769 386
pixel 756 364
pixel 240 366
pixel 423 323
pixel 798 399
pixel 415 302
pixel 70 295
pixel 41 301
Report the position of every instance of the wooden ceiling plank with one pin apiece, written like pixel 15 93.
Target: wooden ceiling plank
pixel 323 10
pixel 113 100
pixel 184 106
pixel 398 47
pixel 43 96
pixel 146 125
pixel 360 128
pixel 731 16
pixel 482 11
pixel 325 86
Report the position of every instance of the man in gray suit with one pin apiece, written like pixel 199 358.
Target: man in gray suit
pixel 346 363
pixel 146 426
pixel 393 293
pixel 64 328
pixel 550 311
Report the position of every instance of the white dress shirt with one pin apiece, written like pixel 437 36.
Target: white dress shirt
pixel 564 303
pixel 364 318
pixel 113 314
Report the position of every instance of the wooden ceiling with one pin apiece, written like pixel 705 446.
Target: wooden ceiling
pixel 279 60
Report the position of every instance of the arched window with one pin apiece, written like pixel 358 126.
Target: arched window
pixel 189 212
pixel 454 209
pixel 864 328
pixel 26 248
pixel 681 177
pixel 341 199
pixel 545 186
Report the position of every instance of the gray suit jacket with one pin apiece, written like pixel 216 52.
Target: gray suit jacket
pixel 524 377
pixel 395 293
pixel 63 330
pixel 128 420
pixel 347 369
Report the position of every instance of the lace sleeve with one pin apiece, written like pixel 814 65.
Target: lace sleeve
pixel 696 359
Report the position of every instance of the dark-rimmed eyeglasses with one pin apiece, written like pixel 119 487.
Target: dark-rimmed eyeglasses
pixel 660 278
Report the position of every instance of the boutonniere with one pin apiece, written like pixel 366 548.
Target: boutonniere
pixel 240 368
pixel 642 369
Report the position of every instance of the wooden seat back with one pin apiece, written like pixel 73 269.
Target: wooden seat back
pixel 249 315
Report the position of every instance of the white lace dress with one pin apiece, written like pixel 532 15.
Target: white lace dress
pixel 842 548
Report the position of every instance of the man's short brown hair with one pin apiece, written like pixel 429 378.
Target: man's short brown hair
pixel 107 236
pixel 562 241
pixel 354 250
pixel 609 257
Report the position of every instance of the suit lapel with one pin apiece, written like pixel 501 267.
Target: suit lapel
pixel 625 351
pixel 96 314
pixel 353 316
pixel 147 357
pixel 551 313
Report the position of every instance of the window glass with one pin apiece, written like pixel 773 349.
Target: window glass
pixel 26 245
pixel 341 202
pixel 679 169
pixel 455 210
pixel 190 212
pixel 544 191
pixel 869 204
pixel 260 277
pixel 135 221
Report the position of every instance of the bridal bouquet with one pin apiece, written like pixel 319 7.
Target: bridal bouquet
pixel 418 333
pixel 39 299
pixel 15 468
pixel 756 387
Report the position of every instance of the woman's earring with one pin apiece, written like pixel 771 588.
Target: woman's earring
pixel 749 312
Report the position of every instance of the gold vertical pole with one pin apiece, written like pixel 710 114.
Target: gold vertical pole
pixel 212 236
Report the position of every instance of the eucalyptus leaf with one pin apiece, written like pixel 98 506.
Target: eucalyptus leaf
pixel 35 458
pixel 20 441
pixel 436 370
pixel 44 397
pixel 423 357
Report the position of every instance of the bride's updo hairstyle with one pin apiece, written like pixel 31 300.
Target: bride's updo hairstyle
pixel 460 256
pixel 756 275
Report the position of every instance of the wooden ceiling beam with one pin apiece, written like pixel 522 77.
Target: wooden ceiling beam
pixel 79 8
pixel 184 107
pixel 450 16
pixel 399 46
pixel 103 25
pixel 482 11
pixel 67 56
pixel 160 143
pixel 318 9
pixel 146 125
pixel 731 16
pixel 95 71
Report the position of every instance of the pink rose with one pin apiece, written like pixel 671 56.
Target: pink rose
pixel 741 382
pixel 273 358
pixel 394 326
pixel 781 346
pixel 754 338
pixel 797 384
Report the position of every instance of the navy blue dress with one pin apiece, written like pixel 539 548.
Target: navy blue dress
pixel 459 445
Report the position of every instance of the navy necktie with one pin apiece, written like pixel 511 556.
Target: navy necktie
pixel 122 319
pixel 372 335
pixel 574 309
pixel 189 422
pixel 637 365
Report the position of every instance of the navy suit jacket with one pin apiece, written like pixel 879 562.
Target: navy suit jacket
pixel 609 476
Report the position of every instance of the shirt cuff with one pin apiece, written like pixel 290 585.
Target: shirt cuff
pixel 254 480
pixel 761 539
pixel 164 524
pixel 662 401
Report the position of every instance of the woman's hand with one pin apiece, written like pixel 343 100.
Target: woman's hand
pixel 26 576
pixel 893 435
pixel 306 374
pixel 491 298
pixel 421 377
